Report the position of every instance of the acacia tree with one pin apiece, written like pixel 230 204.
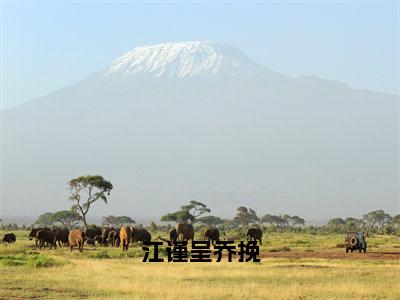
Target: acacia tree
pixel 113 221
pixel 336 224
pixel 196 208
pixel 210 221
pixel 245 216
pixel 67 218
pixel 396 221
pixel 277 221
pixel 292 220
pixel 179 216
pixel 353 224
pixel 187 213
pixel 45 220
pixel 86 190
pixel 376 218
pixel 296 220
pixel 241 215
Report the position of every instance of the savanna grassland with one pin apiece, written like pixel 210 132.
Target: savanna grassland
pixel 293 266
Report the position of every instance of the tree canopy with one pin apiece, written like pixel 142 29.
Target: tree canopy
pixel 45 220
pixel 376 218
pixel 210 221
pixel 196 209
pixel 178 216
pixel 86 190
pixel 276 220
pixel 67 218
pixel 396 220
pixel 245 216
pixel 187 213
pixel 114 221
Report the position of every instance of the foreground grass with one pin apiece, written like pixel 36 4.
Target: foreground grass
pixel 273 279
pixel 106 273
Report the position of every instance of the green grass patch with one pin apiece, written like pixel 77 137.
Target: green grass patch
pixel 31 260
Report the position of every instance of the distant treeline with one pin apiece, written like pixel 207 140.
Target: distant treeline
pixel 85 191
pixel 197 213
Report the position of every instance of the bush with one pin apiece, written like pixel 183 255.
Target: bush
pixel 100 255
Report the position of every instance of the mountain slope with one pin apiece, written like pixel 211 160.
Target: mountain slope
pixel 175 122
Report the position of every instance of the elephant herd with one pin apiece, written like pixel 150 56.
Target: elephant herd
pixel 121 236
pixel 185 232
pixel 115 237
pixel 108 236
pixel 51 237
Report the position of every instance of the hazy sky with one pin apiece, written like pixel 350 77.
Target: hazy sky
pixel 46 46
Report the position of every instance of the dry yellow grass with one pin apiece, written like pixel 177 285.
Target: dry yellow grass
pixel 272 279
pixel 81 276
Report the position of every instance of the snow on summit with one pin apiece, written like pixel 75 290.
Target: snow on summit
pixel 184 59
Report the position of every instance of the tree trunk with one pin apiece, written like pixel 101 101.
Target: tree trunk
pixel 84 222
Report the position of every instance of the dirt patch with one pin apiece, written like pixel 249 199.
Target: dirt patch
pixel 302 266
pixel 334 255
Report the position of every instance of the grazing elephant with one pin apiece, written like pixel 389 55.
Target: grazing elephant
pixel 173 236
pixel 211 234
pixel 32 234
pixel 9 238
pixel 140 235
pixel 185 231
pixel 60 236
pixel 76 238
pixel 113 238
pixel 45 237
pixel 104 235
pixel 255 234
pixel 93 231
pixel 125 235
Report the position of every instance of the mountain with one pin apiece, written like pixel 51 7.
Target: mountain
pixel 175 122
pixel 186 59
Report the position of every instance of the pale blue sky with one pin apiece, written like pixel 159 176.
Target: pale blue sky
pixel 48 45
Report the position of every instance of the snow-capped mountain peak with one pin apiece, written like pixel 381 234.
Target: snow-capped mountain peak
pixel 183 59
